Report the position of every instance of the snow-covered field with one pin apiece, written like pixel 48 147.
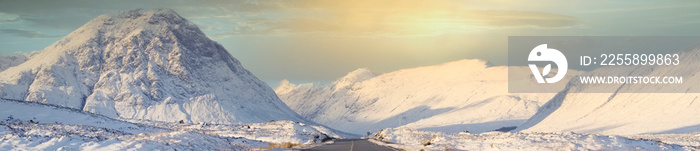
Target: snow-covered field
pixel 33 126
pixel 30 136
pixel 270 132
pixel 685 139
pixel 409 139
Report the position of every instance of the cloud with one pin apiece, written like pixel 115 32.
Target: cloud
pixel 9 18
pixel 393 17
pixel 420 23
pixel 512 18
pixel 27 33
pixel 11 21
pixel 279 17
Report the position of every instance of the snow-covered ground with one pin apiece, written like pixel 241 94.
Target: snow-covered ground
pixel 34 126
pixel 28 136
pixel 685 139
pixel 409 139
pixel 271 132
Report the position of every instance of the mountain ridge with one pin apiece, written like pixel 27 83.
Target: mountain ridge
pixel 464 95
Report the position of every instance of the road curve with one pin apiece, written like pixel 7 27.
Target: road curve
pixel 351 145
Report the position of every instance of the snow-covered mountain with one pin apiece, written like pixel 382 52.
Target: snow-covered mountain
pixel 626 113
pixel 144 64
pixel 7 61
pixel 456 96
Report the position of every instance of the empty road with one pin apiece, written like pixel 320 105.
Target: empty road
pixel 352 145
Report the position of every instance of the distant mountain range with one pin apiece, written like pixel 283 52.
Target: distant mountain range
pixel 470 95
pixel 8 61
pixel 465 95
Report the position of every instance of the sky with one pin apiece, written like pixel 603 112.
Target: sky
pixel 322 40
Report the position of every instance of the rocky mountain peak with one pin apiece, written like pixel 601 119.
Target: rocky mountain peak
pixel 145 64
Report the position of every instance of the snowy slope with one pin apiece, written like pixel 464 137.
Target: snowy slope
pixel 34 126
pixel 144 64
pixel 38 113
pixel 626 113
pixel 75 137
pixel 453 97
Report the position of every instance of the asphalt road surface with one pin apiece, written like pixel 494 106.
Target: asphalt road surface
pixel 352 145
